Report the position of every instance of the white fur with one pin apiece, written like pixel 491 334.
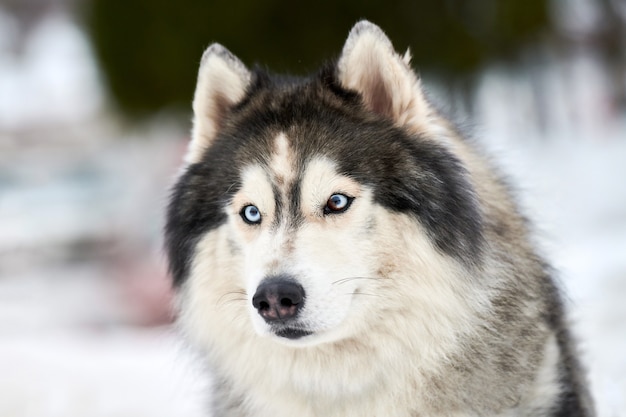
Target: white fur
pixel 283 161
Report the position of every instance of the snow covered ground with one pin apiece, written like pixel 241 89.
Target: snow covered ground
pixel 84 299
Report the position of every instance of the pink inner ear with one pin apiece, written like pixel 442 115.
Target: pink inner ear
pixel 219 110
pixel 378 98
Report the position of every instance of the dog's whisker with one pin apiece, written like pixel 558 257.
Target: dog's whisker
pixel 361 293
pixel 236 299
pixel 368 294
pixel 236 293
pixel 227 301
pixel 348 279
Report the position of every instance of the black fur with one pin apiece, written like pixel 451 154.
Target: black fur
pixel 574 399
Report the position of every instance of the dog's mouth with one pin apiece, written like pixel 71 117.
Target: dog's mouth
pixel 292 333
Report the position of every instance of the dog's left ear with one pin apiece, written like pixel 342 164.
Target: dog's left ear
pixel 222 82
pixel 387 84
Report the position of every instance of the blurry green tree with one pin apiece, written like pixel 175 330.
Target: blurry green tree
pixel 149 50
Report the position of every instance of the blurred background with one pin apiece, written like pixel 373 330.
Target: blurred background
pixel 94 119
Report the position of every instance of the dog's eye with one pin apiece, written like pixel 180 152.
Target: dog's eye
pixel 251 214
pixel 337 203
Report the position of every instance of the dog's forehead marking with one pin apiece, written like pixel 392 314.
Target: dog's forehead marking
pixel 283 169
pixel 283 161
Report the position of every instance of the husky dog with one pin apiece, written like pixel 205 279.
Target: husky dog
pixel 340 250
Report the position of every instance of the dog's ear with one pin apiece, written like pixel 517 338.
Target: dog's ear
pixel 388 86
pixel 222 83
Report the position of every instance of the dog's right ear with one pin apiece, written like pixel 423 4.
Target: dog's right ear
pixel 222 83
pixel 385 80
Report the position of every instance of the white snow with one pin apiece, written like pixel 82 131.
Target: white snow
pixel 119 373
pixel 52 81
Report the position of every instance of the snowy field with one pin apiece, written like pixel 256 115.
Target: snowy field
pixel 84 302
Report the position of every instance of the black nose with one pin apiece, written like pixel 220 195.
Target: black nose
pixel 278 299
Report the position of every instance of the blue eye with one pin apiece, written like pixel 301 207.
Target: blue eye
pixel 251 214
pixel 337 203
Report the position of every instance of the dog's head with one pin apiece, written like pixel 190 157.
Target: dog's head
pixel 307 205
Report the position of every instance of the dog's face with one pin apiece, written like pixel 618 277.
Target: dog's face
pixel 304 201
pixel 306 241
